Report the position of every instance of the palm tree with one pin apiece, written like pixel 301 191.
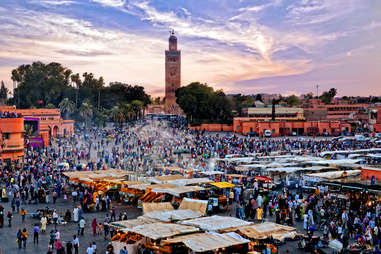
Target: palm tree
pixel 127 111
pixel 50 105
pixel 86 111
pixel 275 102
pixel 137 107
pixel 66 107
pixel 117 115
pixel 75 78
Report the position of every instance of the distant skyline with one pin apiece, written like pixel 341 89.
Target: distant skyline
pixel 240 46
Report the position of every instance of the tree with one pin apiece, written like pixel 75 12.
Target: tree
pixel 40 84
pixel 242 101
pixel 308 96
pixel 258 97
pixel 137 107
pixel 75 78
pixel 3 93
pixel 86 111
pixel 201 103
pixel 328 96
pixel 100 117
pixel 117 115
pixel 273 103
pixel 292 101
pixel 66 107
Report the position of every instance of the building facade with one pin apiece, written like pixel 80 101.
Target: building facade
pixel 51 124
pixel 280 113
pixel 12 139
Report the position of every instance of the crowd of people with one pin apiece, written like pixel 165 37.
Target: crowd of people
pixel 144 147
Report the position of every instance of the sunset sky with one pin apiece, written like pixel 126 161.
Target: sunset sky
pixel 241 46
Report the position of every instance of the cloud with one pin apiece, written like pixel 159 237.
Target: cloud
pixel 111 3
pixel 52 2
pixel 228 48
pixel 84 53
pixel 313 12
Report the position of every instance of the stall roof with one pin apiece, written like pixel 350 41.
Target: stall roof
pixel 266 230
pixel 161 230
pixel 196 205
pixel 215 223
pixel 294 169
pixel 212 173
pixel 160 206
pixel 99 175
pixel 129 224
pixel 164 179
pixel 172 215
pixel 222 184
pixel 177 190
pixel 151 186
pixel 192 181
pixel 370 168
pixel 177 169
pixel 209 241
pixel 336 174
pixel 235 175
pixel 351 151
pixel 132 183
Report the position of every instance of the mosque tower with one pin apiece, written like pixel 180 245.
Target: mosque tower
pixel 172 74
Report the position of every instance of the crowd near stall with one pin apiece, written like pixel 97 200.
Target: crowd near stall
pixel 157 187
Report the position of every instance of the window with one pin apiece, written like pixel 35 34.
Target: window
pixel 43 118
pixel 5 136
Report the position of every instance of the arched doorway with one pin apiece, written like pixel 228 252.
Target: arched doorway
pixel 55 131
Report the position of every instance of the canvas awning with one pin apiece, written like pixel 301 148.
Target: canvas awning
pixel 161 230
pixel 129 224
pixel 216 223
pixel 266 230
pixel 161 206
pixel 192 181
pixel 208 241
pixel 196 205
pixel 222 184
pixel 172 215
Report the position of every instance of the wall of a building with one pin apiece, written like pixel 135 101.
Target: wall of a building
pixel 315 114
pixel 279 128
pixel 213 127
pixel 12 138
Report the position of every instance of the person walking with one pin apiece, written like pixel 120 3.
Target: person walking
pixel 23 213
pixel 35 233
pixel 69 247
pixel 75 243
pixel 94 246
pixel 19 238
pixel 60 249
pixel 82 224
pixel 24 237
pixel 52 238
pixel 9 216
pixel 89 249
pixel 43 221
pixel 94 226
pixel 55 194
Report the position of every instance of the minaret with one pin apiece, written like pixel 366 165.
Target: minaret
pixel 172 72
